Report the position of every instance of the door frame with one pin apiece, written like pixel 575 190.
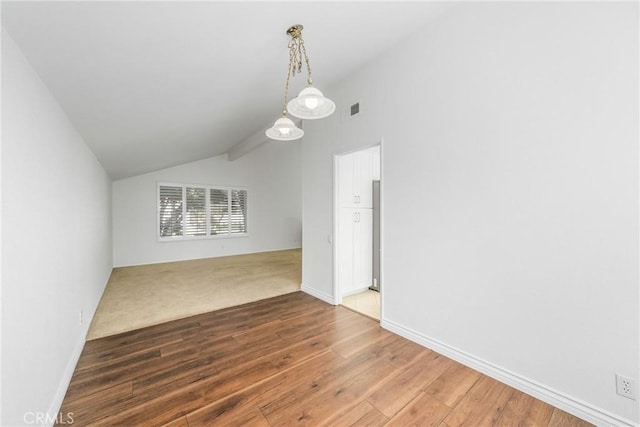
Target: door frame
pixel 337 294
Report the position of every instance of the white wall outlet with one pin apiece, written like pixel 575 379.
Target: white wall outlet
pixel 626 387
pixel 80 316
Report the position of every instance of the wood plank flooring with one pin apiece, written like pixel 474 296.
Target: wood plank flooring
pixel 288 360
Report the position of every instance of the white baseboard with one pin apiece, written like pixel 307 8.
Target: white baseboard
pixel 56 403
pixel 54 409
pixel 329 299
pixel 553 397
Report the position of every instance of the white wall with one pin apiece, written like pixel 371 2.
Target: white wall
pixel 56 236
pixel 272 176
pixel 511 137
pixel 0 240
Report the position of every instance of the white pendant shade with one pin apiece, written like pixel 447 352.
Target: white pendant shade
pixel 311 104
pixel 284 130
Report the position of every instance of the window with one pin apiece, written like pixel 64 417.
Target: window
pixel 198 211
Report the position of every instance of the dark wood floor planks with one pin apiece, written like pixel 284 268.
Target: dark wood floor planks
pixel 289 360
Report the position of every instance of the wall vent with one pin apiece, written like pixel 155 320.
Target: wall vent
pixel 355 109
pixel 351 111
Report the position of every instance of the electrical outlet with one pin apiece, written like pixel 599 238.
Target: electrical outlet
pixel 626 387
pixel 80 316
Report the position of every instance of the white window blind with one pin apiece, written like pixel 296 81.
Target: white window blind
pixel 219 209
pixel 200 211
pixel 196 218
pixel 238 211
pixel 170 211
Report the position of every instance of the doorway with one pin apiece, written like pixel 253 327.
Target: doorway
pixel 357 231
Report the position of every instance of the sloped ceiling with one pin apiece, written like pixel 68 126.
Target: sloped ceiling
pixel 155 84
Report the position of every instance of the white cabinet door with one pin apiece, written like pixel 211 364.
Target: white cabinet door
pixel 377 166
pixel 356 173
pixel 346 249
pixel 363 249
pixel 346 177
pixel 355 250
pixel 363 186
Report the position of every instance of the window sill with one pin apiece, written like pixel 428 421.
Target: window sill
pixel 192 238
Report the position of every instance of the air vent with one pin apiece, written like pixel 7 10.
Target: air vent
pixel 351 111
pixel 355 109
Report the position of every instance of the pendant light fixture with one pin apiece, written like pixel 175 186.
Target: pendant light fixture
pixel 309 104
pixel 284 129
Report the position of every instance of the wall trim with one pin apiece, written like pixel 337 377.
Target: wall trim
pixel 56 403
pixel 547 394
pixel 318 294
pixel 63 386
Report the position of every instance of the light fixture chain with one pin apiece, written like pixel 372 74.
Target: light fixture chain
pixel 290 71
pixel 295 54
pixel 306 59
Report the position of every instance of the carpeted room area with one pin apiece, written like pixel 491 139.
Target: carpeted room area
pixel 140 296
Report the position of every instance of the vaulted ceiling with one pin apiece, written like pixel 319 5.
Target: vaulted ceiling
pixel 155 84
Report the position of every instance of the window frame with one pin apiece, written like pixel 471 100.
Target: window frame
pixel 208 235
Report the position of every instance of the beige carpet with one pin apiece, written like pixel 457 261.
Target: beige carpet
pixel 146 295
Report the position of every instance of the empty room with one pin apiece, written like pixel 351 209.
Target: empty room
pixel 320 213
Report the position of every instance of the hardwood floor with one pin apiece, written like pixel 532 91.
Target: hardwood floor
pixel 288 360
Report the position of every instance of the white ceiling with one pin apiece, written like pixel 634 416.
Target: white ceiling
pixel 155 84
